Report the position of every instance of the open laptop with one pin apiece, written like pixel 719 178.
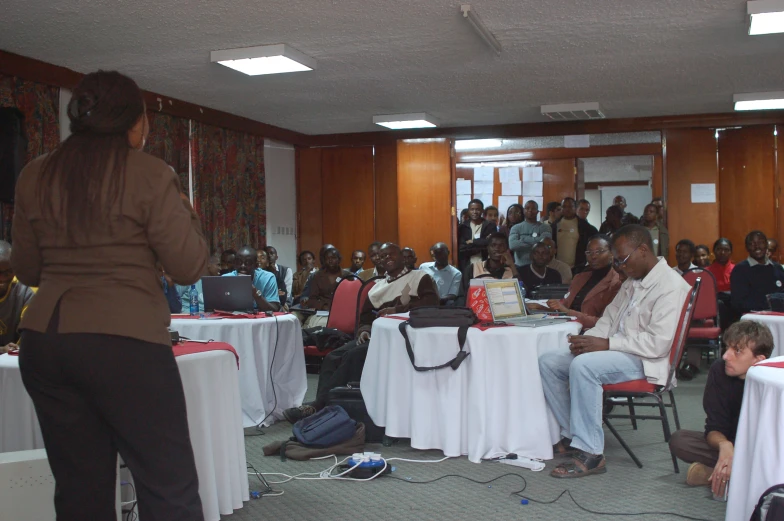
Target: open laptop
pixel 227 293
pixel 507 305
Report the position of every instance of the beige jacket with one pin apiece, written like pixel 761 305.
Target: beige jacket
pixel 649 321
pixel 108 283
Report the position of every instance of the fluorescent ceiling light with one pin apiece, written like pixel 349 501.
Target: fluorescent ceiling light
pixel 759 101
pixel 472 144
pixel 400 121
pixel 266 59
pixel 766 16
pixel 480 27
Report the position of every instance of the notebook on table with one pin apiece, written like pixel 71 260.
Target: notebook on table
pixel 507 305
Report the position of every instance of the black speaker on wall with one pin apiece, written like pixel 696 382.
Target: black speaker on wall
pixel 13 151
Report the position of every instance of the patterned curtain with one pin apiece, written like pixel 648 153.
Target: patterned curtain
pixel 40 105
pixel 168 140
pixel 228 186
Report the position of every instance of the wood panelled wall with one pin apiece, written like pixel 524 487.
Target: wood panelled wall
pixel 424 194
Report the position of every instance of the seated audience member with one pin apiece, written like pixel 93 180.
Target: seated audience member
pixel 325 281
pixel 409 258
pixel 357 261
pixel 627 217
pixel 213 266
pixel 306 290
pixel 491 214
pixel 537 273
pixel 711 452
pixel 264 286
pixel 773 251
pixel 307 267
pixel 169 290
pixel 499 264
pixel 514 215
pixel 684 253
pixel 583 208
pixel 560 267
pixel 378 266
pixel 227 261
pixel 659 234
pixel 722 267
pixel 591 291
pixel 554 212
pixel 631 341
pixel 401 291
pixel 658 202
pixel 524 236
pixel 571 235
pixel 472 236
pixel 14 298
pixel 702 256
pixel 213 270
pixel 613 220
pixel 281 272
pixel 752 280
pixel 264 264
pixel 446 277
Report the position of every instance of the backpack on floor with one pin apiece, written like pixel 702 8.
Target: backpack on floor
pixel 330 426
pixel 324 338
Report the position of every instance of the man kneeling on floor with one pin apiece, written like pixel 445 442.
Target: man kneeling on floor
pixel 401 291
pixel 631 341
pixel 711 452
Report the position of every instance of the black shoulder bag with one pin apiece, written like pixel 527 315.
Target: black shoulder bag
pixel 461 318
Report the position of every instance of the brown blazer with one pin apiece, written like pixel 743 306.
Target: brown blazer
pixel 108 283
pixel 596 300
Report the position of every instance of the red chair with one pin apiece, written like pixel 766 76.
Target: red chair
pixel 642 389
pixel 705 330
pixel 342 313
pixel 362 298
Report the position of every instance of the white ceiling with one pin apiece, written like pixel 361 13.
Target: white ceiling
pixel 635 57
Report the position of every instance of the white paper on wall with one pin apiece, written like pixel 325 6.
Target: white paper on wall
pixel 487 199
pixel 512 188
pixel 703 193
pixel 462 202
pixel 483 173
pixel 505 201
pixel 483 187
pixel 532 173
pixel 509 174
pixel 463 187
pixel 532 188
pixel 539 202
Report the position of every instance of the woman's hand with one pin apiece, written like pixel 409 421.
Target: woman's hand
pixel 557 305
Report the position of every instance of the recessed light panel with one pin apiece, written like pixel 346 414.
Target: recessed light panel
pixel 267 59
pixel 401 121
pixel 759 101
pixel 765 16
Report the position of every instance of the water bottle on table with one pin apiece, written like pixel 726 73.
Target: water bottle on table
pixel 194 300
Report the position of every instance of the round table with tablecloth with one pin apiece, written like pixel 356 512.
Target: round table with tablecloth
pixel 210 383
pixel 775 322
pixel 493 403
pixel 270 351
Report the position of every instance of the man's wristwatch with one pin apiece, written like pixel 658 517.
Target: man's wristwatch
pixel 259 293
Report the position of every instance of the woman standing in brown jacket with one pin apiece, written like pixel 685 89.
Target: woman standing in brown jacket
pixel 91 220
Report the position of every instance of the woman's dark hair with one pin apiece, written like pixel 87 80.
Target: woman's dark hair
pixel 87 170
pixel 333 251
pixel 702 247
pixel 722 240
pixel 302 254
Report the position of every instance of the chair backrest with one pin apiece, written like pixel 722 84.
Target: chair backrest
pixel 362 298
pixel 682 331
pixel 706 306
pixel 343 311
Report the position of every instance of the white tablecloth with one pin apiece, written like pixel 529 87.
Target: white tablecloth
pixel 776 325
pixel 255 340
pixel 209 381
pixel 758 463
pixel 492 404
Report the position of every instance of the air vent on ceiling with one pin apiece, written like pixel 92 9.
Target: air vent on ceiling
pixel 573 111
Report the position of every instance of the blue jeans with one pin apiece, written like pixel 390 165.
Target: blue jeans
pixel 573 389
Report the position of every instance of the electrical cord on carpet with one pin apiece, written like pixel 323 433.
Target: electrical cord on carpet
pixel 272 382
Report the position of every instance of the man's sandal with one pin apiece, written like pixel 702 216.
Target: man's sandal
pixel 582 464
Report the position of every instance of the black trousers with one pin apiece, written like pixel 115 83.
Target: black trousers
pixel 340 366
pixel 97 395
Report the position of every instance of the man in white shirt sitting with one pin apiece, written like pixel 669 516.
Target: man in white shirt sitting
pixel 446 277
pixel 631 341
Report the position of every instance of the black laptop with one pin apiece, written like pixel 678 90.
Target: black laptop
pixel 227 293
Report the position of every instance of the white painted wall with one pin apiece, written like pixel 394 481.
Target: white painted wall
pixel 281 188
pixel 596 217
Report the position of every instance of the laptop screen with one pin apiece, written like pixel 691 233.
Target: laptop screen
pixel 505 299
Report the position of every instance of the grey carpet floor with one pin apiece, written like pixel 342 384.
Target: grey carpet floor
pixel 623 490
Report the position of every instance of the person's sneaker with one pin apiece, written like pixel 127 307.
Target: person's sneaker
pixel 295 414
pixel 698 474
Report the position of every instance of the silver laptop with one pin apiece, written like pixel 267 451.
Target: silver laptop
pixel 507 305
pixel 227 293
